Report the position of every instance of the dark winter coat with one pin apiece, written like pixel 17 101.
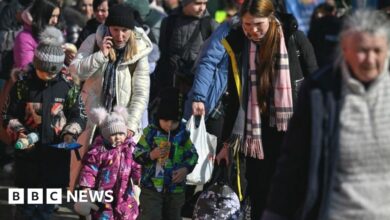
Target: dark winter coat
pixel 180 33
pixel 51 109
pixel 90 28
pixel 301 185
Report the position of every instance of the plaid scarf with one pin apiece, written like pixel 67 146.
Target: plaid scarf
pixel 109 81
pixel 281 105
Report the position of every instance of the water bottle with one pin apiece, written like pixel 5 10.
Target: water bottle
pixel 23 143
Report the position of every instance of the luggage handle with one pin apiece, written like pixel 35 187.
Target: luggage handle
pixel 221 176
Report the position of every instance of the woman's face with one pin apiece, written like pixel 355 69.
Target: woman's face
pixel 101 12
pixel 54 17
pixel 255 28
pixel 87 8
pixel 120 36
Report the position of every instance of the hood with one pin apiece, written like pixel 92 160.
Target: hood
pixel 144 45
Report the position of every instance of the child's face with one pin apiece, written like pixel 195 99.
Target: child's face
pixel 168 125
pixel 44 75
pixel 117 138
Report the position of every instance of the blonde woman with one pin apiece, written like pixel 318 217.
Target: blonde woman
pixel 113 64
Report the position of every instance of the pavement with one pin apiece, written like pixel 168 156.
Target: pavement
pixel 7 211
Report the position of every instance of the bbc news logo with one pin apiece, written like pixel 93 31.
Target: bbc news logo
pixel 54 196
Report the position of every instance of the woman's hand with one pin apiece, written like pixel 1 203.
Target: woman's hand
pixel 198 108
pixel 223 154
pixel 179 175
pixel 107 45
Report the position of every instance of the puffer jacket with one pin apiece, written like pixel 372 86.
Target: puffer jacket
pixel 132 89
pixel 110 168
pixel 24 47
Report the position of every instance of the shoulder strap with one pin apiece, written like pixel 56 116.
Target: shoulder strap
pixel 192 38
pixel 233 61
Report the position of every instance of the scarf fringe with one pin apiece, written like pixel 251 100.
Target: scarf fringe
pixel 280 121
pixel 254 148
pixel 251 147
pixel 235 142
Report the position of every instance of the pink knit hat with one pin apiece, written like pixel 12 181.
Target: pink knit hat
pixel 112 123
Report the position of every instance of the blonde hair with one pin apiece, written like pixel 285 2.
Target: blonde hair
pixel 270 46
pixel 130 51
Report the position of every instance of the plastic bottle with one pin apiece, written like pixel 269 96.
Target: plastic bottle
pixel 23 143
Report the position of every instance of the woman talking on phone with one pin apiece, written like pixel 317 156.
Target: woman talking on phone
pixel 113 64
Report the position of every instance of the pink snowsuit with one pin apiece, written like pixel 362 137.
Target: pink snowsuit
pixel 109 168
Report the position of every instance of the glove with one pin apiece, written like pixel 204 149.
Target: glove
pixel 85 208
pixel 137 193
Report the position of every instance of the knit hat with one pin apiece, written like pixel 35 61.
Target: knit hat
pixel 186 2
pixel 110 124
pixel 49 55
pixel 142 6
pixel 121 15
pixel 171 105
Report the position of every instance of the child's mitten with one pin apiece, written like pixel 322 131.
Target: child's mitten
pixel 85 208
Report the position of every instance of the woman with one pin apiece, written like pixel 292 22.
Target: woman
pixel 100 10
pixel 246 83
pixel 41 14
pixel 113 63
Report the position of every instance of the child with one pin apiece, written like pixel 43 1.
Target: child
pixel 109 165
pixel 167 155
pixel 43 102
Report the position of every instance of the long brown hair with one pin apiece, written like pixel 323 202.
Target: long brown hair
pixel 269 46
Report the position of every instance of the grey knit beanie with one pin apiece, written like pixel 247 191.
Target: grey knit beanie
pixel 49 55
pixel 110 124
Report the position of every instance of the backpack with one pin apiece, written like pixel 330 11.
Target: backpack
pixel 180 65
pixel 218 201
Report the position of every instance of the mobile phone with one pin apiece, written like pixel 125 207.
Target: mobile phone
pixel 108 33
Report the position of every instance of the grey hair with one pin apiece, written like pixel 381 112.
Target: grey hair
pixel 368 21
pixel 363 21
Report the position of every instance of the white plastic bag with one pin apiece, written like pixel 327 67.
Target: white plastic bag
pixel 205 145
